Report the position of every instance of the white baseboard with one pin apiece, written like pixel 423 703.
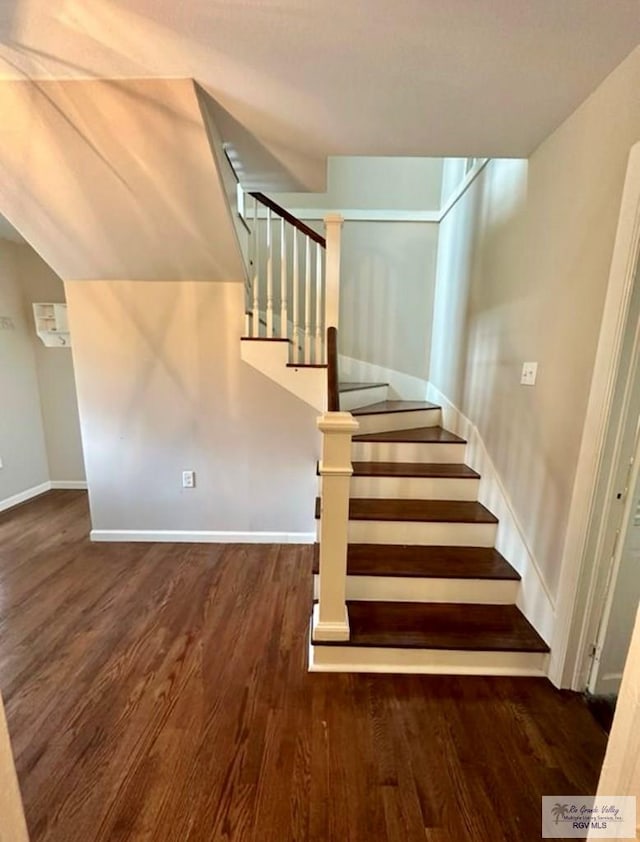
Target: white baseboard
pixel 23 496
pixel 534 600
pixel 179 536
pixel 69 484
pixel 401 385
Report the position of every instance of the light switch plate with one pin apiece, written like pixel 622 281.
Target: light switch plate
pixel 529 374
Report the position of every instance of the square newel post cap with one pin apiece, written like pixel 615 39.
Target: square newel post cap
pixel 337 422
pixel 333 219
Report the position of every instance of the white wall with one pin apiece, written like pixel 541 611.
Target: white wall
pixel 162 389
pixel 522 271
pixel 22 441
pixel 386 294
pixel 374 183
pixel 388 267
pixel 54 367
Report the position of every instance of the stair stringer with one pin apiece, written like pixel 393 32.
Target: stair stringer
pixel 271 357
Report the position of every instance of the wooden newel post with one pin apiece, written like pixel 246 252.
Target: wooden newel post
pixel 330 618
pixel 333 233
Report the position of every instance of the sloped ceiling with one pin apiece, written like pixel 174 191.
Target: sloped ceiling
pixel 8 232
pixel 365 77
pixel 115 180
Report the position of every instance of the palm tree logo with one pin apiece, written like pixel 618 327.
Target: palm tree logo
pixel 559 811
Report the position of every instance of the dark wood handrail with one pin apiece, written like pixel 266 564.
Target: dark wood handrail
pixel 290 218
pixel 333 388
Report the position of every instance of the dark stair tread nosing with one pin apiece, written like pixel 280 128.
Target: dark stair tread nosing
pixel 427 562
pixel 442 625
pixel 357 387
pixel 426 511
pixel 435 470
pixel 419 435
pixel 264 339
pixel 306 365
pixel 390 407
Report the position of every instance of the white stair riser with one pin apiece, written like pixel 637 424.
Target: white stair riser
pixel 411 589
pixel 391 451
pixel 415 488
pixel 362 397
pixel 425 661
pixel 399 421
pixel 420 532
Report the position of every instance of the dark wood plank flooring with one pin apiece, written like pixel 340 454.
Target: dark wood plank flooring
pixel 160 692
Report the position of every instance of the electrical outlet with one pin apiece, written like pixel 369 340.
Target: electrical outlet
pixel 529 374
pixel 188 479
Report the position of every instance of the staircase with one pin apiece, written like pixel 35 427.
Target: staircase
pixel 426 591
pixel 291 296
pixel 406 577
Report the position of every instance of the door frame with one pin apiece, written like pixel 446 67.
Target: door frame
pixel 584 566
pixel 620 543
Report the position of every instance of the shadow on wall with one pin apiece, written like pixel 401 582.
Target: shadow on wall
pixel 457 244
pixel 162 389
pixel 131 40
pixel 490 318
pixel 386 298
pixel 115 179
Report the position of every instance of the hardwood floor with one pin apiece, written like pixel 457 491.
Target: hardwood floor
pixel 159 692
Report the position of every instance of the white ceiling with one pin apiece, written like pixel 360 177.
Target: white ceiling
pixel 366 77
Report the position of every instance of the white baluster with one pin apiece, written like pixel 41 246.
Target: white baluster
pixel 318 343
pixel 284 316
pixel 296 299
pixel 269 276
pixel 307 300
pixel 255 251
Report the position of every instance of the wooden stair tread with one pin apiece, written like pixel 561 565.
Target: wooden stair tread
pixel 306 365
pixel 264 339
pixel 438 470
pixel 471 627
pixel 356 387
pixel 385 407
pixel 437 511
pixel 428 562
pixel 421 435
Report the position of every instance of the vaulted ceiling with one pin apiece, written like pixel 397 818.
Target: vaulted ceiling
pixel 370 77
